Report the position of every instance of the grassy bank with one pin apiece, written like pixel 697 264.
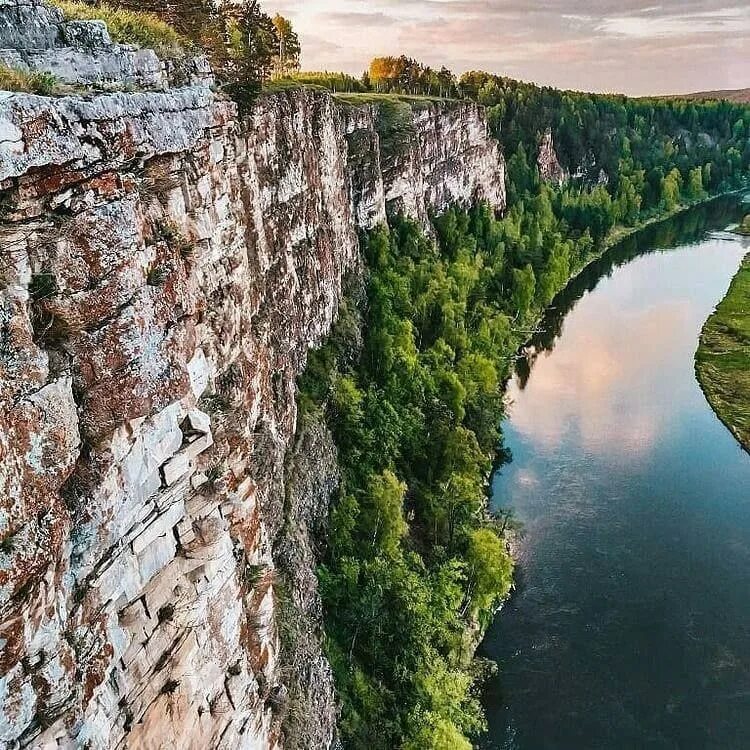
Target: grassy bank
pixel 723 357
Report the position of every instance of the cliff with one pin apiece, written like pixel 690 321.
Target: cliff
pixel 550 169
pixel 166 268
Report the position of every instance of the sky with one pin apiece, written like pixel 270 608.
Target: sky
pixel 631 46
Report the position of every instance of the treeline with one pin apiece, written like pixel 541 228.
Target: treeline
pixel 404 75
pixel 647 151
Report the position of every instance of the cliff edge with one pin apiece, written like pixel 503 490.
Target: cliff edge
pixel 166 266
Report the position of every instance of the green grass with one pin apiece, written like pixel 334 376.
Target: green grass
pixel 280 85
pixel 723 358
pixel 32 82
pixel 330 81
pixel 129 27
pixel 370 97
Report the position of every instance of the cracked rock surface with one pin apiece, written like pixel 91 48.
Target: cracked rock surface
pixel 164 269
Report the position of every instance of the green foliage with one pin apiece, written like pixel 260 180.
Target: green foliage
pixel 128 26
pixel 252 45
pixel 438 734
pixel 288 49
pixel 723 358
pixel 413 557
pixel 404 75
pixel 524 287
pixel 490 567
pixel 335 82
pixel 670 190
pixel 381 517
pixel 32 82
pixel 648 151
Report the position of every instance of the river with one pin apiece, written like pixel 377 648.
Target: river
pixel 630 626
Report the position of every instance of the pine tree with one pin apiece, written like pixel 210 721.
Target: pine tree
pixel 251 43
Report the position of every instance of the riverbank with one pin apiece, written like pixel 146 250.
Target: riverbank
pixel 722 361
pixel 621 233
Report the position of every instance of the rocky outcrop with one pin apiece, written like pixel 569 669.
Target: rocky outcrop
pixel 418 159
pixel 35 36
pixel 442 156
pixel 165 269
pixel 550 169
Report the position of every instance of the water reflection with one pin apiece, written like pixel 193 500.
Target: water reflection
pixel 631 625
pixel 686 228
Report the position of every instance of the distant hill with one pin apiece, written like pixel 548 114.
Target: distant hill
pixel 738 96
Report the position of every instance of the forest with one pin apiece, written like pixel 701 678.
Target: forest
pixel 416 566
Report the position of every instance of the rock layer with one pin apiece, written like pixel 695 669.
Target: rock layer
pixel 165 269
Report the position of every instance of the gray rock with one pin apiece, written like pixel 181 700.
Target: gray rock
pixel 29 24
pixel 86 35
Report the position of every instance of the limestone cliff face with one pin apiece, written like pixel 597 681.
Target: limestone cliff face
pixel 435 156
pixel 445 157
pixel 549 165
pixel 165 268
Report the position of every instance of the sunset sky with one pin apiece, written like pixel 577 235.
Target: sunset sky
pixel 631 46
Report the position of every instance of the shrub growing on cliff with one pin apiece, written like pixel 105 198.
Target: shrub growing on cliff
pixel 32 82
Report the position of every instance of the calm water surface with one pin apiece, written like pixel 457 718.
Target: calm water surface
pixel 631 624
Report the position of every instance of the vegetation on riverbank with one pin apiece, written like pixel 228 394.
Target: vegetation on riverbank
pixel 416 415
pixel 723 357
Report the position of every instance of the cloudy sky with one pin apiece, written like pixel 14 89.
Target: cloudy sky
pixel 631 46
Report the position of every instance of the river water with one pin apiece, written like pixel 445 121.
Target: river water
pixel 630 627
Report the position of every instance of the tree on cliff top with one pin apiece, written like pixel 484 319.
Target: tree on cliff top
pixel 407 76
pixel 240 40
pixel 288 49
pixel 251 44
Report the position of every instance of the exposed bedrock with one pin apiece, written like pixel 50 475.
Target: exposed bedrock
pixel 165 269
